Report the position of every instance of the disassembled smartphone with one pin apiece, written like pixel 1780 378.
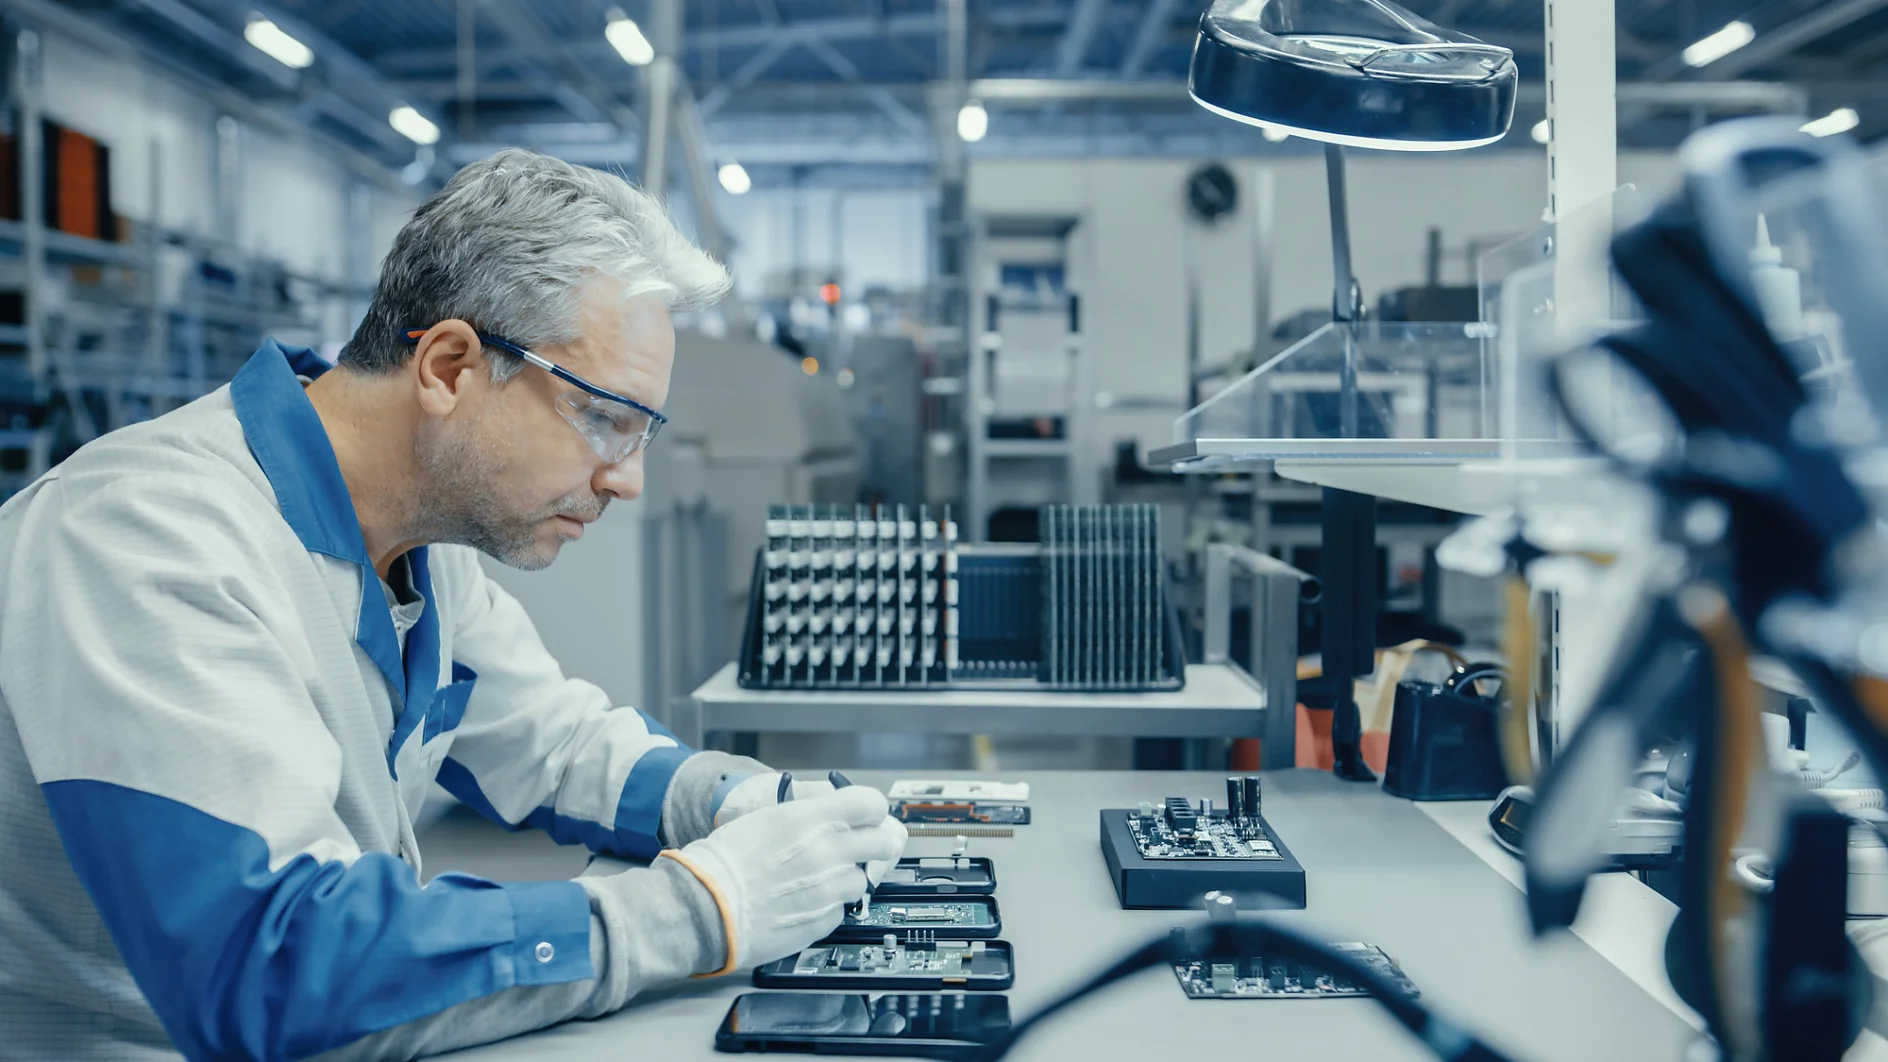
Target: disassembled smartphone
pixel 911 963
pixel 960 813
pixel 912 1025
pixel 968 917
pixel 937 876
pixel 960 790
pixel 1271 977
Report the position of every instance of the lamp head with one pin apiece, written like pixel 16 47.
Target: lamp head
pixel 1361 73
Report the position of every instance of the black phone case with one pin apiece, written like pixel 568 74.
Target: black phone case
pixel 978 879
pixel 728 1040
pixel 845 934
pixel 773 976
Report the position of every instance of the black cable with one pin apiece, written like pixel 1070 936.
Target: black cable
pixel 1444 1039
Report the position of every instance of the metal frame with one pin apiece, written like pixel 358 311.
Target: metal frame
pixel 1277 592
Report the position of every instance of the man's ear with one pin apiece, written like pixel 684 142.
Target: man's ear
pixel 448 358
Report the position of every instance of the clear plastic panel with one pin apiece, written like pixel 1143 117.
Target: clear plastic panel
pixel 1436 391
pixel 1368 390
pixel 1546 292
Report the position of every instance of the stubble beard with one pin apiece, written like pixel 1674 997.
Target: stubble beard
pixel 465 506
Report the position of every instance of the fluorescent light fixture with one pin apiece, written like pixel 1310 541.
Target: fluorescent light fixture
pixel 269 39
pixel 734 178
pixel 1840 120
pixel 1342 140
pixel 1274 134
pixel 413 125
pixel 973 122
pixel 1720 44
pixel 626 37
pixel 1540 131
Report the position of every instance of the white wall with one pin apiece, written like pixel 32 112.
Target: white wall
pixel 870 237
pixel 292 203
pixel 1141 239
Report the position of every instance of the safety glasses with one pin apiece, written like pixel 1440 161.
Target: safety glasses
pixel 613 425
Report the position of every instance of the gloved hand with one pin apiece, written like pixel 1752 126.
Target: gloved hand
pixel 782 875
pixel 763 791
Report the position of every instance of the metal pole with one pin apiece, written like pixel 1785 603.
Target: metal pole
pixel 1348 554
pixel 1344 302
pixel 660 80
pixel 468 70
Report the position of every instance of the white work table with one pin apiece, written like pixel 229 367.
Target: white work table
pixel 1379 870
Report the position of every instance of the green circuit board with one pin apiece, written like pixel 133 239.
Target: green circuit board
pixel 919 913
pixel 1271 977
pixel 941 958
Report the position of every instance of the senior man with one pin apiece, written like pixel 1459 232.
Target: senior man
pixel 239 643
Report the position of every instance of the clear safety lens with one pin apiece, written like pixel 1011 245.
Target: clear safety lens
pixel 613 430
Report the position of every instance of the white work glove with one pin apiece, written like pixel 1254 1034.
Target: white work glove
pixel 763 791
pixel 783 875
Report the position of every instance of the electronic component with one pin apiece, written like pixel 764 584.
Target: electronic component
pixel 1180 832
pixel 917 961
pixel 970 917
pixel 937 876
pixel 1271 977
pixel 1168 857
pixel 966 813
pixel 921 1025
pixel 960 790
pixel 919 829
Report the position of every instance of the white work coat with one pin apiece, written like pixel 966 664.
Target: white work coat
pixel 213 749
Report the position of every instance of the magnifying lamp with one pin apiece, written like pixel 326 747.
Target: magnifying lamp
pixel 1350 73
pixel 1357 73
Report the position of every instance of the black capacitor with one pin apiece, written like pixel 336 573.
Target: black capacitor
pixel 1251 784
pixel 1235 800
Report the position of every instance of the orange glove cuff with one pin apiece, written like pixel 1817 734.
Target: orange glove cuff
pixel 721 904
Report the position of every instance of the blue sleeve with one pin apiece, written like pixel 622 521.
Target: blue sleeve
pixel 241 961
pixel 632 831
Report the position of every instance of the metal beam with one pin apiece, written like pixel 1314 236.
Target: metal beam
pixel 745 74
pixel 1774 43
pixel 1147 37
pixel 277 120
pixel 880 97
pixel 194 23
pixel 1725 96
pixel 588 94
pixel 1072 49
pixel 759 34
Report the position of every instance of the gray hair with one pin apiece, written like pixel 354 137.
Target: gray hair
pixel 508 245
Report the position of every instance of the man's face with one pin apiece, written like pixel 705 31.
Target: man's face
pixel 508 474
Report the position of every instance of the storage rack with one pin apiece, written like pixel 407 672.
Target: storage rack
pixel 98 341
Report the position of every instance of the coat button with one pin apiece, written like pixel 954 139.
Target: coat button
pixel 545 952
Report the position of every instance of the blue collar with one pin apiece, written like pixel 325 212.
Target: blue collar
pixel 290 443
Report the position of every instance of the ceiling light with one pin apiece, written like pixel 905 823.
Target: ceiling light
pixel 734 178
pixel 1840 120
pixel 1540 131
pixel 626 37
pixel 973 122
pixel 413 125
pixel 271 41
pixel 1274 134
pixel 1719 44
